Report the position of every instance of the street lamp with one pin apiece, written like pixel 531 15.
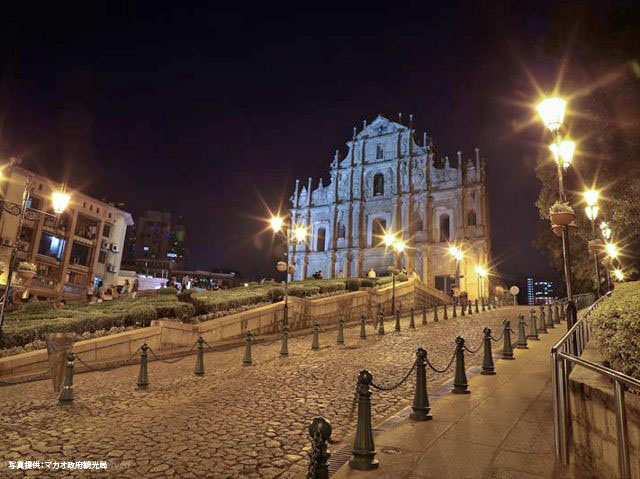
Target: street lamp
pixel 299 233
pixel 612 253
pixel 398 246
pixel 619 274
pixel 606 234
pixel 591 210
pixel 482 273
pixel 551 112
pixel 60 201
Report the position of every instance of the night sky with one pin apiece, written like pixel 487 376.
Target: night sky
pixel 213 114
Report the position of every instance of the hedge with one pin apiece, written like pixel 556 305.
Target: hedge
pixel 616 328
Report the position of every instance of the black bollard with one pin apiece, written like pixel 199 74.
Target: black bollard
pixel 435 313
pixel 199 371
pixel 460 385
pixel 556 313
pixel 507 349
pixel 470 312
pixel 320 432
pixel 522 335
pixel 421 409
pixel 487 360
pixel 380 324
pixel 363 327
pixel 445 313
pixel 315 342
pixel 463 308
pixel 488 304
pixel 477 309
pixel 533 329
pixel 247 360
pixel 455 314
pixel 483 307
pixel 424 315
pixel 143 377
pixel 397 328
pixel 284 348
pixel 66 393
pixel 412 322
pixel 363 447
pixel 550 318
pixel 563 310
pixel 542 326
pixel 340 339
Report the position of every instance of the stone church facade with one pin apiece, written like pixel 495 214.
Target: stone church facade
pixel 388 182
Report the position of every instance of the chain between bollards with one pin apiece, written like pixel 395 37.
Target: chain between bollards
pixel 364 451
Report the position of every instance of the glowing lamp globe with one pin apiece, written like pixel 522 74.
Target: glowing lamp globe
pixel 563 153
pixel 399 246
pixel 276 223
pixel 300 233
pixel 592 212
pixel 551 112
pixel 60 201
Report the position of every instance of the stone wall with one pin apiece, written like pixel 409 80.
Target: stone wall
pixel 593 421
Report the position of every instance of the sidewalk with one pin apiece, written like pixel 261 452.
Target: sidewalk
pixel 503 429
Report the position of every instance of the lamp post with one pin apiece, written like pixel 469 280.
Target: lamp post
pixel 612 253
pixel 398 247
pixel 299 233
pixel 458 254
pixel 59 202
pixel 552 111
pixel 591 210
pixel 605 231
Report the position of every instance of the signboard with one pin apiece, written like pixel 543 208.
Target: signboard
pixel 514 290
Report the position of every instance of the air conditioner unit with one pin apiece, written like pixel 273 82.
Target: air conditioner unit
pixel 114 247
pixel 104 244
pixel 6 242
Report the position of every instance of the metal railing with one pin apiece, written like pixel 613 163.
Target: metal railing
pixel 566 353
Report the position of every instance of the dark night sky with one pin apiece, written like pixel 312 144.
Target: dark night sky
pixel 213 115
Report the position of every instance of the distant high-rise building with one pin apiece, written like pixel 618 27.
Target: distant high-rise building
pixel 157 244
pixel 540 292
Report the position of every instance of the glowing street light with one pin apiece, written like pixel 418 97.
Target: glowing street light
pixel 605 230
pixel 276 223
pixel 482 274
pixel 399 246
pixel 551 110
pixel 60 201
pixel 612 250
pixel 591 210
pixel 563 152
pixel 458 254
pixel 618 274
pixel 389 239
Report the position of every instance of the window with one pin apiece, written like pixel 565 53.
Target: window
pixel 26 234
pixel 97 210
pixel 471 218
pixel 321 236
pixel 80 254
pixel 86 227
pixel 417 221
pixel 379 152
pixel 444 284
pixel 377 231
pixel 378 184
pixel 51 246
pixel 34 202
pixel 444 228
pixel 102 257
pixel 106 230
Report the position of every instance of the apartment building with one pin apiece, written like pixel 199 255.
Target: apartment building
pixel 84 245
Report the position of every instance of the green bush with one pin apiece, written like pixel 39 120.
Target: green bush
pixel 384 280
pixel 142 315
pixel 353 284
pixel 38 307
pixel 616 327
pixel 275 294
pixel 298 291
pixel 401 277
pixel 185 296
pixel 168 291
pixel 367 283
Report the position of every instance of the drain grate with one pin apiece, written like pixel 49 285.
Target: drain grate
pixel 339 459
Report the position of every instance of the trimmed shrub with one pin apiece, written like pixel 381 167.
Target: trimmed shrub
pixel 353 284
pixel 275 294
pixel 36 308
pixel 367 283
pixel 616 327
pixel 185 296
pixel 142 315
pixel 401 277
pixel 298 291
pixel 168 291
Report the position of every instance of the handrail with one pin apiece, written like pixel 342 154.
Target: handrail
pixel 564 354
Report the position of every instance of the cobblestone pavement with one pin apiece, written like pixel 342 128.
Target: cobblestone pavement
pixel 235 422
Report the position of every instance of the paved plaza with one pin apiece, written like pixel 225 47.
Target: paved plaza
pixel 235 422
